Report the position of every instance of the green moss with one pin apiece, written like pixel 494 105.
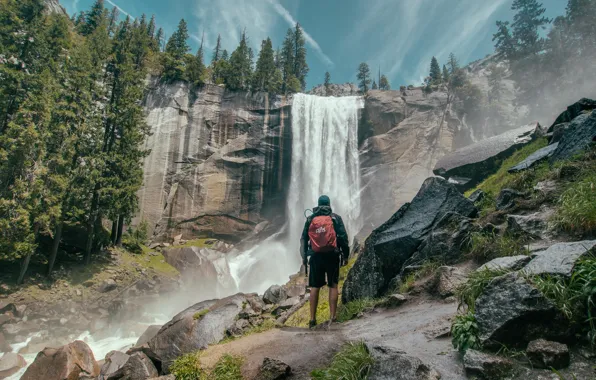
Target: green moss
pixel 352 362
pixel 152 260
pixel 200 314
pixel 201 243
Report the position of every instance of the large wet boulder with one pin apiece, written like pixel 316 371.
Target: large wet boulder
pixel 508 263
pixel 67 362
pixel 487 366
pixel 11 363
pixel 534 225
pixel 275 295
pixel 511 311
pixel 196 328
pixel 137 367
pixel 534 158
pixel 574 111
pixel 470 165
pixel 577 137
pixel 560 259
pixel 391 364
pixel 391 245
pixel 273 369
pixel 149 334
pixel 113 362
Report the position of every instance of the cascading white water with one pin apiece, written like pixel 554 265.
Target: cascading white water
pixel 324 161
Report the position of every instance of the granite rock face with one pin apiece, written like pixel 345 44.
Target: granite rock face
pixel 560 259
pixel 219 161
pixel 346 89
pixel 577 137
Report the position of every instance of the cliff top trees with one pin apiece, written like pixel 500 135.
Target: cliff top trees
pixel 267 76
pixel 300 66
pixel 526 22
pixel 327 83
pixel 363 77
pixel 240 70
pixel 384 83
pixel 175 52
pixel 435 72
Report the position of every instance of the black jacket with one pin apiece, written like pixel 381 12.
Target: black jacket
pixel 338 225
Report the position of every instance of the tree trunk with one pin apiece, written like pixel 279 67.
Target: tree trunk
pixel 120 229
pixel 26 260
pixel 54 253
pixel 89 245
pixel 113 235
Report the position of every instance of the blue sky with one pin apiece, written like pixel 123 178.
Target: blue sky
pixel 400 36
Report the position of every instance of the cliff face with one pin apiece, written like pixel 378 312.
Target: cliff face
pixel 219 161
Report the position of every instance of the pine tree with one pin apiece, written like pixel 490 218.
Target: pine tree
pixel 435 72
pixel 225 55
pixel 94 18
pixel 287 60
pixel 505 45
pixel 528 19
pixel 158 41
pixel 264 75
pixel 217 51
pixel 239 74
pixel 374 85
pixel 195 67
pixel 327 83
pixel 151 27
pixel 300 66
pixel 113 20
pixel 495 83
pixel 445 74
pixel 453 63
pixel 363 77
pixel 175 53
pixel 384 83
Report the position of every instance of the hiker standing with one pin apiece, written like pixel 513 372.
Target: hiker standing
pixel 325 241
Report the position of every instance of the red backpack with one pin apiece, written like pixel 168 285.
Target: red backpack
pixel 322 234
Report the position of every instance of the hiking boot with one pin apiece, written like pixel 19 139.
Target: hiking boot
pixel 312 324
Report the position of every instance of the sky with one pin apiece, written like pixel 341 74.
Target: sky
pixel 399 37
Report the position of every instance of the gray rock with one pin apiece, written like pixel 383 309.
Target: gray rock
pixel 11 363
pixel 391 364
pixel 273 369
pixel 149 334
pixel 510 311
pixel 138 367
pixel 487 366
pixel 545 354
pixel 574 111
pixel 72 361
pixel 286 305
pixel 345 89
pixel 477 196
pixel 507 199
pixel 480 160
pixel 560 258
pixel 447 280
pixel 578 136
pixel 193 329
pixel 113 362
pixel 4 346
pixel 392 244
pixel 239 327
pixel 558 132
pixel 509 263
pixel 107 286
pixel 534 158
pixel 275 295
pixel 395 300
pixel 546 187
pixel 534 225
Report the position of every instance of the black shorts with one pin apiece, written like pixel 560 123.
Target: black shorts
pixel 321 265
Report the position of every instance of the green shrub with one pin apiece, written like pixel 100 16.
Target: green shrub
pixel 134 239
pixel 477 281
pixel 345 312
pixel 426 269
pixel 464 332
pixel 188 367
pixel 351 363
pixel 577 207
pixel 485 246
pixel 228 367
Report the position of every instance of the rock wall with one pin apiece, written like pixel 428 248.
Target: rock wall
pixel 219 161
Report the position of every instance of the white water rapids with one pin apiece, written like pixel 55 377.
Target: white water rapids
pixel 324 161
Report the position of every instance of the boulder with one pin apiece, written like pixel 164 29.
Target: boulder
pixel 11 363
pixel 545 354
pixel 148 335
pixel 19 328
pixel 239 327
pixel 447 280
pixel 67 362
pixel 507 199
pixel 534 158
pixel 533 225
pixel 577 137
pixel 477 161
pixel 509 263
pixel 395 300
pixel 392 244
pixel 273 369
pixel 7 307
pixel 511 311
pixel 477 196
pixel 558 132
pixel 546 187
pixel 5 318
pixel 487 366
pixel 195 328
pixel 560 259
pixel 4 346
pixel 275 295
pixel 391 364
pixel 107 286
pixel 137 367
pixel 113 362
pixel 574 111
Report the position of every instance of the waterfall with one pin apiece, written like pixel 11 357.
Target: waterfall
pixel 324 161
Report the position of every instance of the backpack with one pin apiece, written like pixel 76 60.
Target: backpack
pixel 322 234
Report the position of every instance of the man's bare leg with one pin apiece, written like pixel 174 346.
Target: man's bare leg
pixel 314 302
pixel 333 296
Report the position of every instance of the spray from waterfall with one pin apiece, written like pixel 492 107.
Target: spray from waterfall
pixel 324 161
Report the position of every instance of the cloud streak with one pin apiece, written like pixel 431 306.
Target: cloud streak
pixel 119 8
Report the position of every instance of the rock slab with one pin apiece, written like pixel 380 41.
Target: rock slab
pixel 138 367
pixel 534 158
pixel 486 366
pixel 67 362
pixel 577 137
pixel 275 295
pixel 273 369
pixel 391 364
pixel 560 259
pixel 509 263
pixel 507 199
pixel 545 354
pixel 11 363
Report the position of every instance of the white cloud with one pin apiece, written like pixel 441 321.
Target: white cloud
pixel 416 30
pixel 259 17
pixel 75 4
pixel 120 9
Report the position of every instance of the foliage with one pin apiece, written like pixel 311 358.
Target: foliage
pixel 240 71
pixel 351 363
pixel 188 367
pixel 227 368
pixel 135 238
pixel 384 83
pixel 363 77
pixel 200 314
pixel 464 332
pixel 175 53
pixel 435 75
pixel 267 76
pixel 374 85
pixel 485 246
pixel 576 212
pixel 348 311
pixel 426 269
pixel 477 281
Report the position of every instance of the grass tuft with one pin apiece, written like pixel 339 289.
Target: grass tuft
pixel 577 208
pixel 477 281
pixel 267 325
pixel 353 362
pixel 200 314
pixel 188 367
pixel 228 367
pixel 426 269
pixel 486 246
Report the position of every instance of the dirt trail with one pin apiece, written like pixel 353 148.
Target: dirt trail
pixel 411 328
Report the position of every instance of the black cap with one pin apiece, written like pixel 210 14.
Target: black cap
pixel 324 201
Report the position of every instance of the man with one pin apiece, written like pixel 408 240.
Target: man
pixel 325 241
